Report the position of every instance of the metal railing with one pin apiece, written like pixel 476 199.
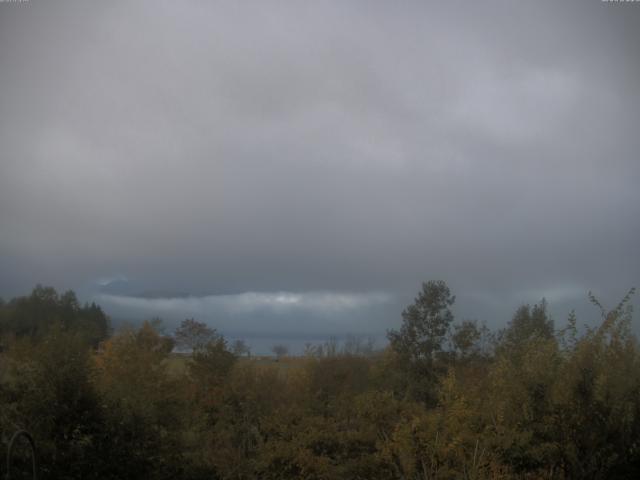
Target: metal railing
pixel 32 444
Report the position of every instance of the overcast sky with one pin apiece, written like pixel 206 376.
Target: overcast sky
pixel 298 168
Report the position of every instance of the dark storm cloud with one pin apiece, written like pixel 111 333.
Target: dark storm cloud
pixel 345 148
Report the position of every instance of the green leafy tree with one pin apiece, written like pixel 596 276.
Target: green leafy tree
pixel 142 406
pixel 34 315
pixel 527 324
pixel 420 340
pixel 598 399
pixel 192 334
pixel 240 348
pixel 467 339
pixel 425 323
pixel 211 363
pixel 48 391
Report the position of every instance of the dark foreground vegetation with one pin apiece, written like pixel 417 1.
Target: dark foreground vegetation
pixel 445 400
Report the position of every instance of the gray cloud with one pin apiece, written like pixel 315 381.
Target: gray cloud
pixel 223 148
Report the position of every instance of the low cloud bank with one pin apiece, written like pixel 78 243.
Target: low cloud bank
pixel 283 314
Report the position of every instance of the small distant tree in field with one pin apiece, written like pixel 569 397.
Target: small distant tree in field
pixel 359 346
pixel 280 351
pixel 192 334
pixel 240 348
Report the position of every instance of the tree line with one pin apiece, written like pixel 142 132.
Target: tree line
pixel 444 400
